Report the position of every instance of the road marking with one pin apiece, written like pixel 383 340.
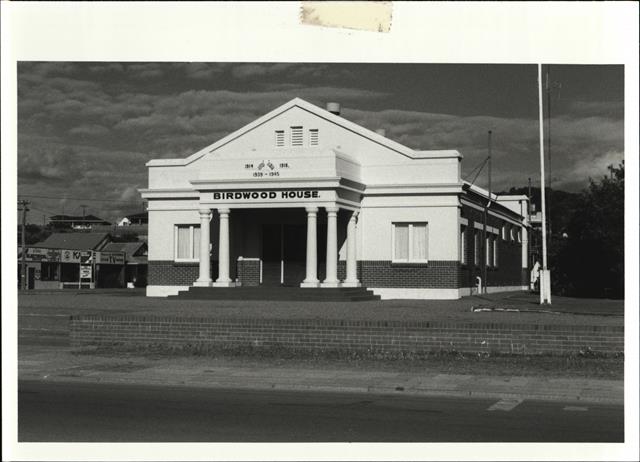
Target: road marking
pixel 506 404
pixel 575 408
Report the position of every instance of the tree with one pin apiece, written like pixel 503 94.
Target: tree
pixel 589 262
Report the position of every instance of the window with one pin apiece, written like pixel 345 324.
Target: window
pixel 488 251
pixel 187 245
pixel 279 138
pixel 518 236
pixel 504 232
pixel 511 233
pixel 495 251
pixel 410 242
pixel 476 248
pixel 296 136
pixel 313 137
pixel 463 245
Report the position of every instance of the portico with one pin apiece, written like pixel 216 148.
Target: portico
pixel 224 216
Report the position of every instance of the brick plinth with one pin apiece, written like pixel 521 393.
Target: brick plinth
pixel 345 335
pixel 248 272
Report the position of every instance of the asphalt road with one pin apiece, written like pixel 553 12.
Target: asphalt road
pixel 66 412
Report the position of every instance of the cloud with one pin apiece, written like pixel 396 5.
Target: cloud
pixel 87 129
pixel 610 109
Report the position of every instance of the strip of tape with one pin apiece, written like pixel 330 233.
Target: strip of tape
pixel 369 16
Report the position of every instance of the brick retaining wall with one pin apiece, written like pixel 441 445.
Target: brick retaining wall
pixel 379 336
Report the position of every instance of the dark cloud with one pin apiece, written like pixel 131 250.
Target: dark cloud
pixel 87 129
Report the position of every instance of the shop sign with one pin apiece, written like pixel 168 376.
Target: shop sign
pixel 110 258
pixel 85 271
pixel 37 254
pixel 75 256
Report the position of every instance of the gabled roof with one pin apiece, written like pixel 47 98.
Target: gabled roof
pixel 322 113
pixel 74 241
pixel 130 248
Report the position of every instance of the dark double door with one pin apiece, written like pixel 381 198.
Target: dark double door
pixel 284 253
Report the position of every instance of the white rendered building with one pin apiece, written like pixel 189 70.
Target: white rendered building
pixel 303 197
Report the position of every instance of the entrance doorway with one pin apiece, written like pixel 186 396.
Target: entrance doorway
pixel 283 254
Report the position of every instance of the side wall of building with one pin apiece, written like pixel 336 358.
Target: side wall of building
pixel 507 272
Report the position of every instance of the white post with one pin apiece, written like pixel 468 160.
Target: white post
pixel 223 251
pixel 545 279
pixel 352 272
pixel 312 249
pixel 331 279
pixel 204 278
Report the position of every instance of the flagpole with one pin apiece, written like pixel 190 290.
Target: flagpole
pixel 545 280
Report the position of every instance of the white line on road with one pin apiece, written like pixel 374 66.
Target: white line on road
pixel 575 408
pixel 506 404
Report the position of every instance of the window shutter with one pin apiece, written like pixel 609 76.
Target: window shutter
pixel 313 137
pixel 279 138
pixel 296 136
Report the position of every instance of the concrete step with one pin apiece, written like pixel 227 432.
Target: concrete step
pixel 278 293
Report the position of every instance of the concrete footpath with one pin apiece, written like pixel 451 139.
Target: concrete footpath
pixel 63 364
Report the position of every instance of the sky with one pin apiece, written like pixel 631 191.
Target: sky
pixel 86 130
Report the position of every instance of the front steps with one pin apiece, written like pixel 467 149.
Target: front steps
pixel 339 294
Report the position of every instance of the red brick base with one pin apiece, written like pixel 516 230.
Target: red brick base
pixel 379 336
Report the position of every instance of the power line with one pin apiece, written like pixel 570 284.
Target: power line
pixel 88 199
pixel 480 171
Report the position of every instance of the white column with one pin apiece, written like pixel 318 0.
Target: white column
pixel 204 279
pixel 312 249
pixel 352 272
pixel 332 249
pixel 223 251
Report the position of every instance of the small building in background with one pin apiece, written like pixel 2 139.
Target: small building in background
pixel 135 272
pixel 70 222
pixel 73 260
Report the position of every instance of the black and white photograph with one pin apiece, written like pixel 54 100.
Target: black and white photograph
pixel 299 249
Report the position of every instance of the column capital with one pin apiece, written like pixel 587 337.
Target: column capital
pixel 311 209
pixel 204 211
pixel 224 211
pixel 332 209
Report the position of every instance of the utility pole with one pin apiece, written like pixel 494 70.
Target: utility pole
pixel 23 264
pixel 549 148
pixel 545 279
pixel 485 248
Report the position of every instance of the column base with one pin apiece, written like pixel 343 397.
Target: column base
pixel 351 284
pixel 224 284
pixel 202 283
pixel 331 284
pixel 310 284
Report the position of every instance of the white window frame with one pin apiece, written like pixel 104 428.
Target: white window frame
pixel 511 233
pixel 477 248
pixel 488 261
pixel 495 251
pixel 191 247
pixel 409 259
pixel 463 245
pixel 519 235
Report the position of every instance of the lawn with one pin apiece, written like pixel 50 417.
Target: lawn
pixel 562 311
